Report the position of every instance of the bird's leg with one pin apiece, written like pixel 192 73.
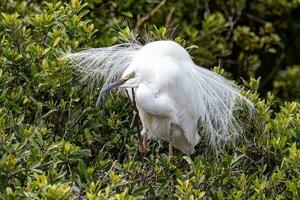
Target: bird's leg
pixel 171 143
pixel 142 139
pixel 142 148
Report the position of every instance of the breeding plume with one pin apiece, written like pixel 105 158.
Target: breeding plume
pixel 173 96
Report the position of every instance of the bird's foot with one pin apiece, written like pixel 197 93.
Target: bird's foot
pixel 142 144
pixel 145 140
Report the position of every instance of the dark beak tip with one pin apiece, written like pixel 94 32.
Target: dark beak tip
pixel 113 85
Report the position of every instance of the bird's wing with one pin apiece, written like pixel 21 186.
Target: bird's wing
pixel 214 101
pixel 188 124
pixel 171 81
pixel 158 111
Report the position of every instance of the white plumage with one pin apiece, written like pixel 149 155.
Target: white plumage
pixel 172 93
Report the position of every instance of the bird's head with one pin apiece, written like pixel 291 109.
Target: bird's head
pixel 135 74
pixel 147 63
pixel 128 80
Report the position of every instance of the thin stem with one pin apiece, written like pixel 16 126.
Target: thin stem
pixel 171 143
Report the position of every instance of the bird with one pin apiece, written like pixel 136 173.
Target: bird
pixel 173 95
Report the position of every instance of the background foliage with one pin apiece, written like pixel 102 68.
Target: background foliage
pixel 55 144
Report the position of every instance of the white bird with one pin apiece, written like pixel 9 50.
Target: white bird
pixel 173 95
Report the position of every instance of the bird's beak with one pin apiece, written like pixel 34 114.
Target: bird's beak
pixel 114 85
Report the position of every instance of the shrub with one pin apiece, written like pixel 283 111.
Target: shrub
pixel 55 144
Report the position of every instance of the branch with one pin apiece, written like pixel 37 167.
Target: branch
pixel 274 70
pixel 232 23
pixel 142 20
pixel 255 18
pixel 169 17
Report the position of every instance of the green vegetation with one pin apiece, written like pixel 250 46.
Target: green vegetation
pixel 55 144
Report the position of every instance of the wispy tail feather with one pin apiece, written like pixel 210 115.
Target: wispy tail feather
pixel 216 100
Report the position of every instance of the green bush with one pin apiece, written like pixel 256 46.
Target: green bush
pixel 55 144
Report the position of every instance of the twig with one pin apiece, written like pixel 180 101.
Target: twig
pixel 250 16
pixel 169 17
pixel 232 23
pixel 133 119
pixel 107 173
pixel 142 20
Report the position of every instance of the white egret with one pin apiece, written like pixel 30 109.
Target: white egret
pixel 172 94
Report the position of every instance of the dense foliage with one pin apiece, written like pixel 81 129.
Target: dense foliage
pixel 55 144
